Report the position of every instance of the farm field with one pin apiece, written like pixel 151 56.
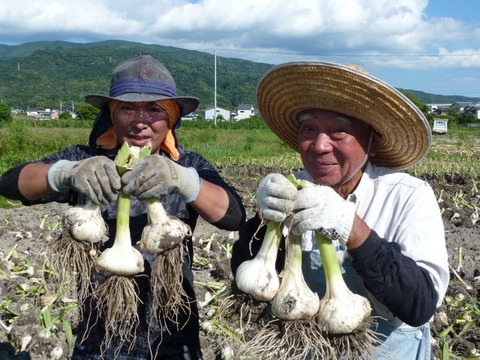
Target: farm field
pixel 32 305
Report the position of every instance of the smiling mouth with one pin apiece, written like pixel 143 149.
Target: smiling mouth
pixel 136 140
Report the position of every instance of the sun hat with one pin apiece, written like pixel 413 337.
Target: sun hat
pixel 142 79
pixel 290 88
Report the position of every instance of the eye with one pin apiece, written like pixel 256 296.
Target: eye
pixel 339 134
pixel 307 130
pixel 126 107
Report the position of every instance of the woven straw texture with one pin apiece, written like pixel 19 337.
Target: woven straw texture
pixel 288 89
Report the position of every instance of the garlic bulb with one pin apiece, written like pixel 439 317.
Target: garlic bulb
pixel 340 311
pixel 163 231
pixel 258 276
pixel 85 223
pixel 122 258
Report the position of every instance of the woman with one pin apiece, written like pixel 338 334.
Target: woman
pixel 142 107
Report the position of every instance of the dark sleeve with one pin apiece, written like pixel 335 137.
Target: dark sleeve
pixel 9 180
pixel 395 280
pixel 9 183
pixel 249 242
pixel 235 215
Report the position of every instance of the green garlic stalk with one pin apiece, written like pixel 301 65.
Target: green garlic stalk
pixel 294 300
pixel 340 310
pixel 122 258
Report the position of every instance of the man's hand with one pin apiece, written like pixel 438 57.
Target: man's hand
pixel 155 175
pixel 96 177
pixel 320 208
pixel 275 197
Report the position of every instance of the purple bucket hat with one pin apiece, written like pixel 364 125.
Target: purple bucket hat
pixel 143 79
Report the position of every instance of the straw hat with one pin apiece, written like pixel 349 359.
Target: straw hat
pixel 288 89
pixel 143 79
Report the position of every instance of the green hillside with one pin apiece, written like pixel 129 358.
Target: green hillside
pixel 45 74
pixel 440 99
pixel 50 74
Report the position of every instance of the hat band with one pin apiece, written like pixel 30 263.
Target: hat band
pixel 146 86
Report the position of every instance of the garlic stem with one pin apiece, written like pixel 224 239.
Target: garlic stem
pixel 122 258
pixel 294 300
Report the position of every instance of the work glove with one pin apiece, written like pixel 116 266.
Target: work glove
pixel 275 197
pixel 96 177
pixel 155 175
pixel 321 209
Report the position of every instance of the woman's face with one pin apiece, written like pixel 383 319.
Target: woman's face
pixel 333 148
pixel 140 122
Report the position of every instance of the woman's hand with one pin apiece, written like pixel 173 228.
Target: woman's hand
pixel 155 175
pixel 96 177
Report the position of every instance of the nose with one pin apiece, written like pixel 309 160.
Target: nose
pixel 141 118
pixel 322 143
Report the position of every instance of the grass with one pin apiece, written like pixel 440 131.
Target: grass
pixel 457 152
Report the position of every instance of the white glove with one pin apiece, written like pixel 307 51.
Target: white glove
pixel 96 177
pixel 155 175
pixel 320 208
pixel 275 197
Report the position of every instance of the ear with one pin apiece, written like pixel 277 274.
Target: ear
pixel 376 142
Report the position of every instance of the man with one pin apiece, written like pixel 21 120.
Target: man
pixel 354 133
pixel 142 107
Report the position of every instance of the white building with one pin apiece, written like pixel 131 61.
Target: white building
pixel 245 111
pixel 208 114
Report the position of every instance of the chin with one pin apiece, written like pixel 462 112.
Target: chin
pixel 324 179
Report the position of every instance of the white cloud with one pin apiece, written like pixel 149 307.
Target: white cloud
pixel 267 29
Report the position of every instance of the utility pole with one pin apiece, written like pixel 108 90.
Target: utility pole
pixel 215 87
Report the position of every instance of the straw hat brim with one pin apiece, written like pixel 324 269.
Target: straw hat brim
pixel 187 104
pixel 290 88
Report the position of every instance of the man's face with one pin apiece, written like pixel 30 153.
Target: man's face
pixel 138 123
pixel 333 147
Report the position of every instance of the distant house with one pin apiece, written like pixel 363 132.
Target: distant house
pixel 208 114
pixel 54 114
pixel 461 105
pixel 32 112
pixel 43 115
pixel 472 109
pixel 245 111
pixel 439 109
pixel 191 116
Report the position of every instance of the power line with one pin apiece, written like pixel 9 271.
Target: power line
pixel 346 55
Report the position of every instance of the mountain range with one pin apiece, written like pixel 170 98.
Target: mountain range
pixel 53 74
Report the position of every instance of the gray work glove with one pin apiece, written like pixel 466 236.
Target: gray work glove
pixel 155 175
pixel 320 208
pixel 275 197
pixel 96 177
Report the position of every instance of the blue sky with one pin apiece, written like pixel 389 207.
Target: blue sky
pixel 431 46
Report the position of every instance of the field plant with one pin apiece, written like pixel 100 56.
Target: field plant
pixel 34 291
pixel 467 318
pixel 247 144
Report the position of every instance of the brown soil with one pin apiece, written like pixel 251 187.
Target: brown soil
pixel 27 233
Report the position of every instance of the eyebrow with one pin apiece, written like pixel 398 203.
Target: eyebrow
pixel 344 119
